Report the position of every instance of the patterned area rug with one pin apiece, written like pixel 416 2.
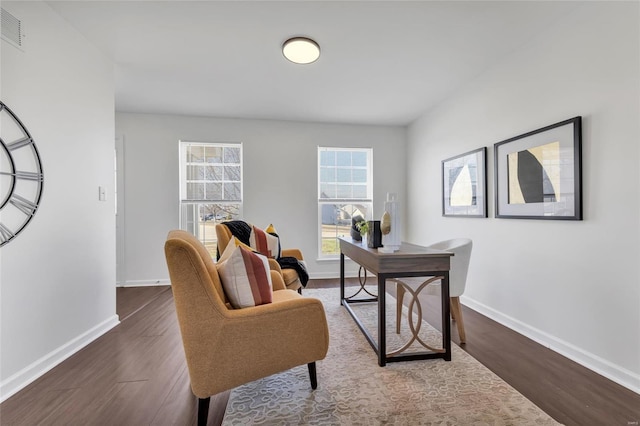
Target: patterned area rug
pixel 354 390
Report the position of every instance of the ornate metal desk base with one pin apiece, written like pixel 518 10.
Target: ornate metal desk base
pixel 409 261
pixel 401 289
pixel 362 279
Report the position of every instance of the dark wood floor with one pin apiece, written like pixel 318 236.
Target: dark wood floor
pixel 136 374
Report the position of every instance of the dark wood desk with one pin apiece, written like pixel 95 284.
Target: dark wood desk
pixel 410 261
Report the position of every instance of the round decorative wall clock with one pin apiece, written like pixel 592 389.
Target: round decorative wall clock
pixel 21 176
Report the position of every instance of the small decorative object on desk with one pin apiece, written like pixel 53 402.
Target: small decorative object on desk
pixel 374 236
pixel 363 230
pixel 356 232
pixel 390 225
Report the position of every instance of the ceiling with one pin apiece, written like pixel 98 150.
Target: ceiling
pixel 382 62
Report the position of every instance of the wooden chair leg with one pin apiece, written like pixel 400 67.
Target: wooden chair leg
pixel 203 411
pixel 456 313
pixel 399 297
pixel 312 375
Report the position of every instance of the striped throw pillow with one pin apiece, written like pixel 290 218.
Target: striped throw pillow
pixel 245 276
pixel 271 230
pixel 265 243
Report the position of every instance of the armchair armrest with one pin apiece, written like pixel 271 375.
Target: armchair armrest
pixel 275 266
pixel 294 252
pixel 277 281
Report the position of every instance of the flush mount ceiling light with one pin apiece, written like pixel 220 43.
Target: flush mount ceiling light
pixel 301 50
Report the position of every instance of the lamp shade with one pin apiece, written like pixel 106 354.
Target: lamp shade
pixel 301 50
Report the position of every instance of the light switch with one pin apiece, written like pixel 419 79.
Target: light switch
pixel 102 194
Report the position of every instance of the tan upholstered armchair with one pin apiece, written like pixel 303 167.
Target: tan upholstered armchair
pixel 227 347
pixel 290 276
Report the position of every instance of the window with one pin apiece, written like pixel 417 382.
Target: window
pixel 344 190
pixel 210 188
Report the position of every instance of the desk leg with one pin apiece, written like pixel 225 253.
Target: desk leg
pixel 382 326
pixel 446 321
pixel 341 278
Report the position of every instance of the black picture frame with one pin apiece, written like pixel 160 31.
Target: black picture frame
pixel 464 184
pixel 538 175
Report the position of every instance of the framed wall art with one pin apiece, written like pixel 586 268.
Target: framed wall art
pixel 538 174
pixel 464 184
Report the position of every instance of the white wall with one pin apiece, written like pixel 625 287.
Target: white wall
pixel 280 179
pixel 573 286
pixel 58 276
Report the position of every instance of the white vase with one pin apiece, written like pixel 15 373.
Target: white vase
pixel 391 240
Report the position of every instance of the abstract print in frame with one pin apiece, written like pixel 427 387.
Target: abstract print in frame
pixel 464 184
pixel 538 174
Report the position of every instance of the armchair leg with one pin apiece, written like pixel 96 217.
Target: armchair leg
pixel 203 411
pixel 312 375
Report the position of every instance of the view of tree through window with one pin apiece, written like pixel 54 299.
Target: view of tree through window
pixel 344 190
pixel 210 187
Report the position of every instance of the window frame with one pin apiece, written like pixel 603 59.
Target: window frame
pixel 196 220
pixel 346 202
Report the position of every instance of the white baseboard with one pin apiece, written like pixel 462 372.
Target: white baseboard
pixel 30 373
pixel 620 375
pixel 144 283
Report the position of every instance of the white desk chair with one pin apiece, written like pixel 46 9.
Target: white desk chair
pixel 461 247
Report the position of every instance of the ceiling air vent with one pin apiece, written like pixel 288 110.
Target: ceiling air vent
pixel 11 29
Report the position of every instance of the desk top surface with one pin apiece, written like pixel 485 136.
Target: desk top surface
pixel 410 260
pixel 406 249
